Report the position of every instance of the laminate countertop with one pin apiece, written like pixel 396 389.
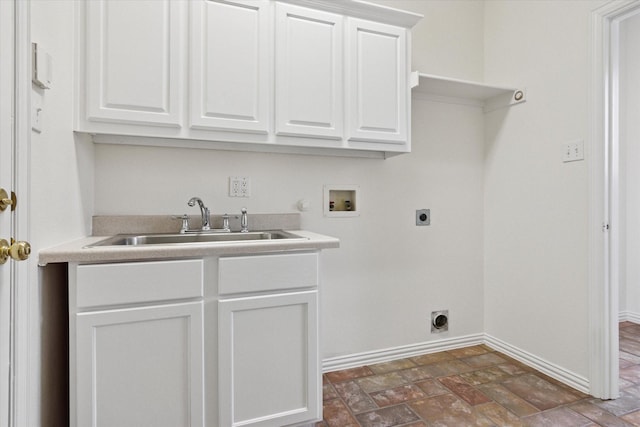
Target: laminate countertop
pixel 81 251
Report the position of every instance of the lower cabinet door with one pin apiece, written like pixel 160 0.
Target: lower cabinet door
pixel 269 371
pixel 140 367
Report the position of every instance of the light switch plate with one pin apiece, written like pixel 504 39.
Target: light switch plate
pixel 573 151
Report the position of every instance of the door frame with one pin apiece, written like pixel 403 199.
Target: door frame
pixel 604 195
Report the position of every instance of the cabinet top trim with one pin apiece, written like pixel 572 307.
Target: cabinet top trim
pixel 364 10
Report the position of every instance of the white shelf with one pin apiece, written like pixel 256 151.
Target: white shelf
pixel 444 89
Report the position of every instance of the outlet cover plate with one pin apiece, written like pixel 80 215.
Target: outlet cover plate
pixel 423 217
pixel 239 186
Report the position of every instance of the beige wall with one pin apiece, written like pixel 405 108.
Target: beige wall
pixel 536 287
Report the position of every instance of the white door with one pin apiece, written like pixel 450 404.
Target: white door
pixel 309 72
pixel 269 339
pixel 6 108
pixel 12 128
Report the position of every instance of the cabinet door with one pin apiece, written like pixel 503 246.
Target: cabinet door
pixel 377 74
pixel 309 95
pixel 140 367
pixel 269 372
pixel 230 70
pixel 133 63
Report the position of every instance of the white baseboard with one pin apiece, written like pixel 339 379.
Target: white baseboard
pixel 372 357
pixel 388 354
pixel 629 316
pixel 554 371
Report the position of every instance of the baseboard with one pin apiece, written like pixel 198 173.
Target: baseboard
pixel 629 316
pixel 401 352
pixel 554 371
pixel 379 356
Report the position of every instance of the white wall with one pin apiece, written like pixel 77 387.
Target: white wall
pixel 381 285
pixel 629 167
pixel 388 274
pixel 61 205
pixel 536 293
pixel 61 164
pixel 448 40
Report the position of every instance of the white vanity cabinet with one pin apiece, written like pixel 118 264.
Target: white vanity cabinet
pixel 268 361
pixel 136 344
pixel 223 340
pixel 133 64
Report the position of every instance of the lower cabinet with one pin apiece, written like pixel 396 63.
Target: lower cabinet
pixel 268 360
pixel 140 366
pixel 215 342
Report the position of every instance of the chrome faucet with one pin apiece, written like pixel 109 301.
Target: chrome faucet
pixel 244 221
pixel 204 211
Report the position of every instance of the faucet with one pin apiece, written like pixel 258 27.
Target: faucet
pixel 204 211
pixel 244 222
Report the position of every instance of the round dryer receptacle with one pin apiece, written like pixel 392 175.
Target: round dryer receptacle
pixel 440 321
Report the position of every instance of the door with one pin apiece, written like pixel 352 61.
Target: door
pixel 308 72
pixel 272 340
pixel 13 76
pixel 377 88
pixel 133 62
pixel 229 90
pixel 6 111
pixel 140 366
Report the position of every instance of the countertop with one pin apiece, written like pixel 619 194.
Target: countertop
pixel 76 251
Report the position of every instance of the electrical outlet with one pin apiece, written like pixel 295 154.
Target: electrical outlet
pixel 423 217
pixel 573 151
pixel 239 186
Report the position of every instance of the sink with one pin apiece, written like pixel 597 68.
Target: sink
pixel 194 238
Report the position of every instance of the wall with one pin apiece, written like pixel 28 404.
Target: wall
pixel 61 205
pixel 536 291
pixel 388 275
pixel 629 170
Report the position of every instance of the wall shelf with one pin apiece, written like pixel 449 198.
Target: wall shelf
pixel 444 89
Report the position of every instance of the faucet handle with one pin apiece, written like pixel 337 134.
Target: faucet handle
pixel 225 222
pixel 185 222
pixel 244 221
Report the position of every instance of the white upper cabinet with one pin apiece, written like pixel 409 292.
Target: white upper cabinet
pixel 133 72
pixel 377 95
pixel 312 76
pixel 309 72
pixel 230 65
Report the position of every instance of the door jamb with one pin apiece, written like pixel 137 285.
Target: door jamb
pixel 604 197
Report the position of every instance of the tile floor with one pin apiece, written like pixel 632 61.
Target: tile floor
pixel 476 386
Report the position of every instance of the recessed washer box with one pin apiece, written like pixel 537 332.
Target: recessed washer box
pixel 341 200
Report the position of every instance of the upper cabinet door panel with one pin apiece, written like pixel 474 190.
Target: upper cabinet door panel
pixel 133 67
pixel 308 72
pixel 230 65
pixel 378 88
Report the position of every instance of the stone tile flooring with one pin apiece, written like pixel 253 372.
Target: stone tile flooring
pixel 476 386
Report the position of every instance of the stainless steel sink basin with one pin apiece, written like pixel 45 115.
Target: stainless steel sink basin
pixel 194 238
